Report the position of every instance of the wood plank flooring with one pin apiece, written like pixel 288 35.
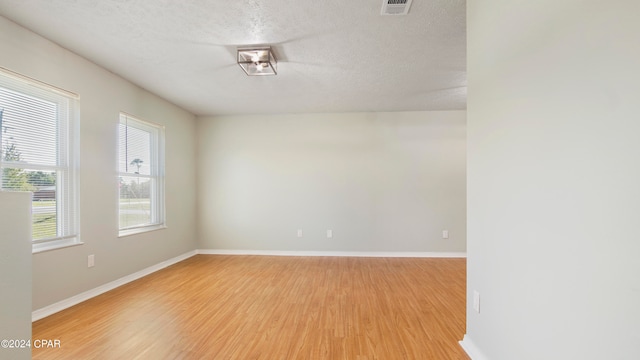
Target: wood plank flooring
pixel 263 307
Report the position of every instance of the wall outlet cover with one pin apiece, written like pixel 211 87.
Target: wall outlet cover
pixel 476 301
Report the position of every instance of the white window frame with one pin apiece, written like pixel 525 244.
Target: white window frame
pixel 156 176
pixel 67 159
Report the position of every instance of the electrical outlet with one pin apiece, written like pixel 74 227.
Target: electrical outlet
pixel 445 234
pixel 476 301
pixel 91 260
pixel 299 233
pixel 329 234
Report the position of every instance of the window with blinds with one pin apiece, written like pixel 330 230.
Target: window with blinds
pixel 39 140
pixel 140 175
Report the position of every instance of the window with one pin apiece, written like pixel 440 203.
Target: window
pixel 140 175
pixel 39 139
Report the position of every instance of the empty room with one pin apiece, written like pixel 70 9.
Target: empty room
pixel 419 179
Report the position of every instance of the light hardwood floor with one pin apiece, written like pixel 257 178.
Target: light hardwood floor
pixel 263 307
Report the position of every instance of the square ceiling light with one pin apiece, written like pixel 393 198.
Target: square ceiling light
pixel 258 61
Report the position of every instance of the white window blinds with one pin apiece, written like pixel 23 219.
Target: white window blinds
pixel 38 136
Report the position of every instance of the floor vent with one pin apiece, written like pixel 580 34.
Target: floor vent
pixel 395 7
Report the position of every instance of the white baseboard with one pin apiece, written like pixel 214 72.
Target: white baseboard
pixel 471 349
pixel 74 300
pixel 334 253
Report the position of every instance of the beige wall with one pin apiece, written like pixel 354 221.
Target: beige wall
pixel 62 273
pixel 553 179
pixel 380 181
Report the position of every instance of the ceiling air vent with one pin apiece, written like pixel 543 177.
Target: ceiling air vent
pixel 395 7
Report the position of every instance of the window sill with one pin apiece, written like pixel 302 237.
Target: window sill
pixel 54 245
pixel 134 231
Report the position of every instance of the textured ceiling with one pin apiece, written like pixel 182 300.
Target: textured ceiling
pixel 334 56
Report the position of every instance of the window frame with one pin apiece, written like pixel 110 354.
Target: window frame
pixel 156 174
pixel 67 157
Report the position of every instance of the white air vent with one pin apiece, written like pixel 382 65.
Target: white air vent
pixel 395 7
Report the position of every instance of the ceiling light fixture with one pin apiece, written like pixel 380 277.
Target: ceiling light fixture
pixel 258 61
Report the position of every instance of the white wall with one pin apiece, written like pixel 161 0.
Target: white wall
pixel 62 273
pixel 380 181
pixel 15 272
pixel 554 179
